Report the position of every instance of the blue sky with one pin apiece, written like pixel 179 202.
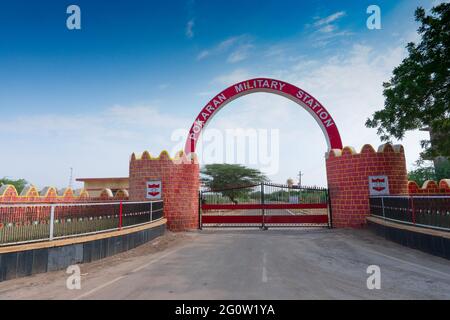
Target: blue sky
pixel 138 70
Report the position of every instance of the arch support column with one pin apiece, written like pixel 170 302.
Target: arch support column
pixel 348 180
pixel 180 186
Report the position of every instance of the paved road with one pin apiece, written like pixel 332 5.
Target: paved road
pixel 251 264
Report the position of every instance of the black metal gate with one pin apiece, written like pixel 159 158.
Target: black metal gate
pixel 265 205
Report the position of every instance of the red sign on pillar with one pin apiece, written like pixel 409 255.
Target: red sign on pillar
pixel 378 185
pixel 154 190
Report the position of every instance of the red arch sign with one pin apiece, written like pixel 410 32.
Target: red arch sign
pixel 301 97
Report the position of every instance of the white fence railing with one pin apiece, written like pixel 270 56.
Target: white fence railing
pixel 23 223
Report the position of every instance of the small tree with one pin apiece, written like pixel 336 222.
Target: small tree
pixel 18 184
pixel 225 176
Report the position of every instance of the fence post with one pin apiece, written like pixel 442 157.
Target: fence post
pixel 52 221
pixel 413 212
pixel 120 214
pixel 151 211
pixel 382 207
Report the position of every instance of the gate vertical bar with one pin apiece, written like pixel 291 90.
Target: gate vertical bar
pixel 262 202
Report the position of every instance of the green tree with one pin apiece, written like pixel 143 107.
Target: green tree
pixel 418 94
pixel 18 184
pixel 225 176
pixel 421 174
pixel 424 172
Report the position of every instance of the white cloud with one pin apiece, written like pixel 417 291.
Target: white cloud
pixel 240 46
pixel 275 51
pixel 331 18
pixel 205 93
pixel 241 53
pixel 95 144
pixel 328 28
pixel 202 55
pixel 232 77
pixel 190 29
pixel 322 39
pixel 219 48
pixel 438 2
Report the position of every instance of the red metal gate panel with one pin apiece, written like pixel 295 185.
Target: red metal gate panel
pixel 305 219
pixel 253 206
pixel 265 205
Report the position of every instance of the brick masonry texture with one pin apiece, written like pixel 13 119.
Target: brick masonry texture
pixel 8 194
pixel 348 180
pixel 430 187
pixel 180 185
pixel 30 194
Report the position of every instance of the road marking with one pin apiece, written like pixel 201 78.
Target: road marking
pixel 153 261
pixel 121 277
pixel 264 270
pixel 446 275
pixel 98 288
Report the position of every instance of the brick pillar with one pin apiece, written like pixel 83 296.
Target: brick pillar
pixel 348 180
pixel 180 186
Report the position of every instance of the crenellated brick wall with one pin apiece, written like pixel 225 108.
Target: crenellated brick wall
pixel 430 187
pixel 30 194
pixel 180 186
pixel 348 172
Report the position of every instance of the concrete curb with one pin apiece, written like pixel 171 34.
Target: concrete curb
pixel 26 260
pixel 430 241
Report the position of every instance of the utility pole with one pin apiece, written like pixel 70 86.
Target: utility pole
pixel 71 178
pixel 300 174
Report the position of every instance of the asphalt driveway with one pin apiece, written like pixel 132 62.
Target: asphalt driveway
pixel 251 264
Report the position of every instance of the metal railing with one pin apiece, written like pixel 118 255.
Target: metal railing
pixel 424 211
pixel 23 223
